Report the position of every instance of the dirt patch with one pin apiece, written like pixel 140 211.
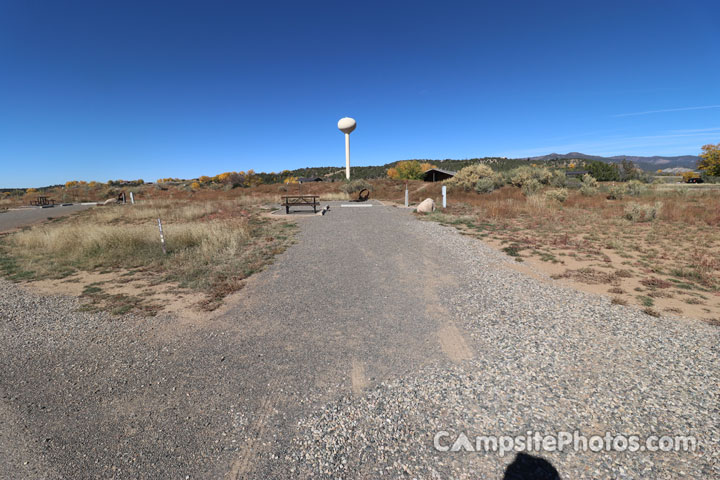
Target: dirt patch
pixel 453 344
pixel 123 291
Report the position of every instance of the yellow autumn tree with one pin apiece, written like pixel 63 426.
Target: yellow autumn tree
pixel 710 160
pixel 223 176
pixel 195 185
pixel 251 179
pixel 407 170
pixel 687 176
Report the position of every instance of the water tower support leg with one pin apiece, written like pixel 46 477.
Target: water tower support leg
pixel 347 156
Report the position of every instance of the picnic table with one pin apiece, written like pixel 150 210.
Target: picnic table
pixel 42 202
pixel 300 201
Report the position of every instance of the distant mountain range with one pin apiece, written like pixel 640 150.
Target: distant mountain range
pixel 646 163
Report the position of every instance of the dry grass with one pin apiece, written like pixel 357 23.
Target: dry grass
pixel 589 242
pixel 211 245
pixel 336 196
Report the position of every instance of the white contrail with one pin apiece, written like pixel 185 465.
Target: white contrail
pixel 704 107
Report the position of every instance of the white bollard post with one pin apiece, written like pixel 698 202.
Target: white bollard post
pixel 444 193
pixel 132 198
pixel 162 237
pixel 407 196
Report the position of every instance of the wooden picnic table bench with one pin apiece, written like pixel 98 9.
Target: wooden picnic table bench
pixel 42 202
pixel 300 201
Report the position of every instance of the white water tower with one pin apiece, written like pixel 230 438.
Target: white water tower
pixel 347 125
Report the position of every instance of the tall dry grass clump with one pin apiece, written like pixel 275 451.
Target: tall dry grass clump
pixel 88 246
pixel 210 246
pixel 330 196
pixel 694 207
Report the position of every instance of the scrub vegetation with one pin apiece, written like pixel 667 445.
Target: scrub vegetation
pixel 657 248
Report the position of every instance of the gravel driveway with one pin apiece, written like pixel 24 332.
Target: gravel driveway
pixel 343 360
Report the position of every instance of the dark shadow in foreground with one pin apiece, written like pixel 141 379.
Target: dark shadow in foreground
pixel 528 467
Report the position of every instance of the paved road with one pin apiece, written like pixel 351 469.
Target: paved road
pixel 14 219
pixel 340 361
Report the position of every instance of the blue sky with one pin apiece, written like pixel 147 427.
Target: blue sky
pixel 106 90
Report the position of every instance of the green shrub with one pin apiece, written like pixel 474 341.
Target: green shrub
pixel 616 192
pixel 709 178
pixel 499 179
pixel 468 177
pixel 558 194
pixel 638 212
pixel 485 185
pixel 531 187
pixel 355 186
pixel 558 179
pixel 636 188
pixel 522 175
pixel 604 172
pixel 589 185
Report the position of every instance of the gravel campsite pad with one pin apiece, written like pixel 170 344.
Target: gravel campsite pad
pixel 548 360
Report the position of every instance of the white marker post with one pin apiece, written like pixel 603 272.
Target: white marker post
pixel 444 193
pixel 132 198
pixel 347 125
pixel 162 237
pixel 407 196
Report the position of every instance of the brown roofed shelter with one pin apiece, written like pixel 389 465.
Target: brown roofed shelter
pixel 437 175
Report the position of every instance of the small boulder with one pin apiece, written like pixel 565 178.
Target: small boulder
pixel 426 206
